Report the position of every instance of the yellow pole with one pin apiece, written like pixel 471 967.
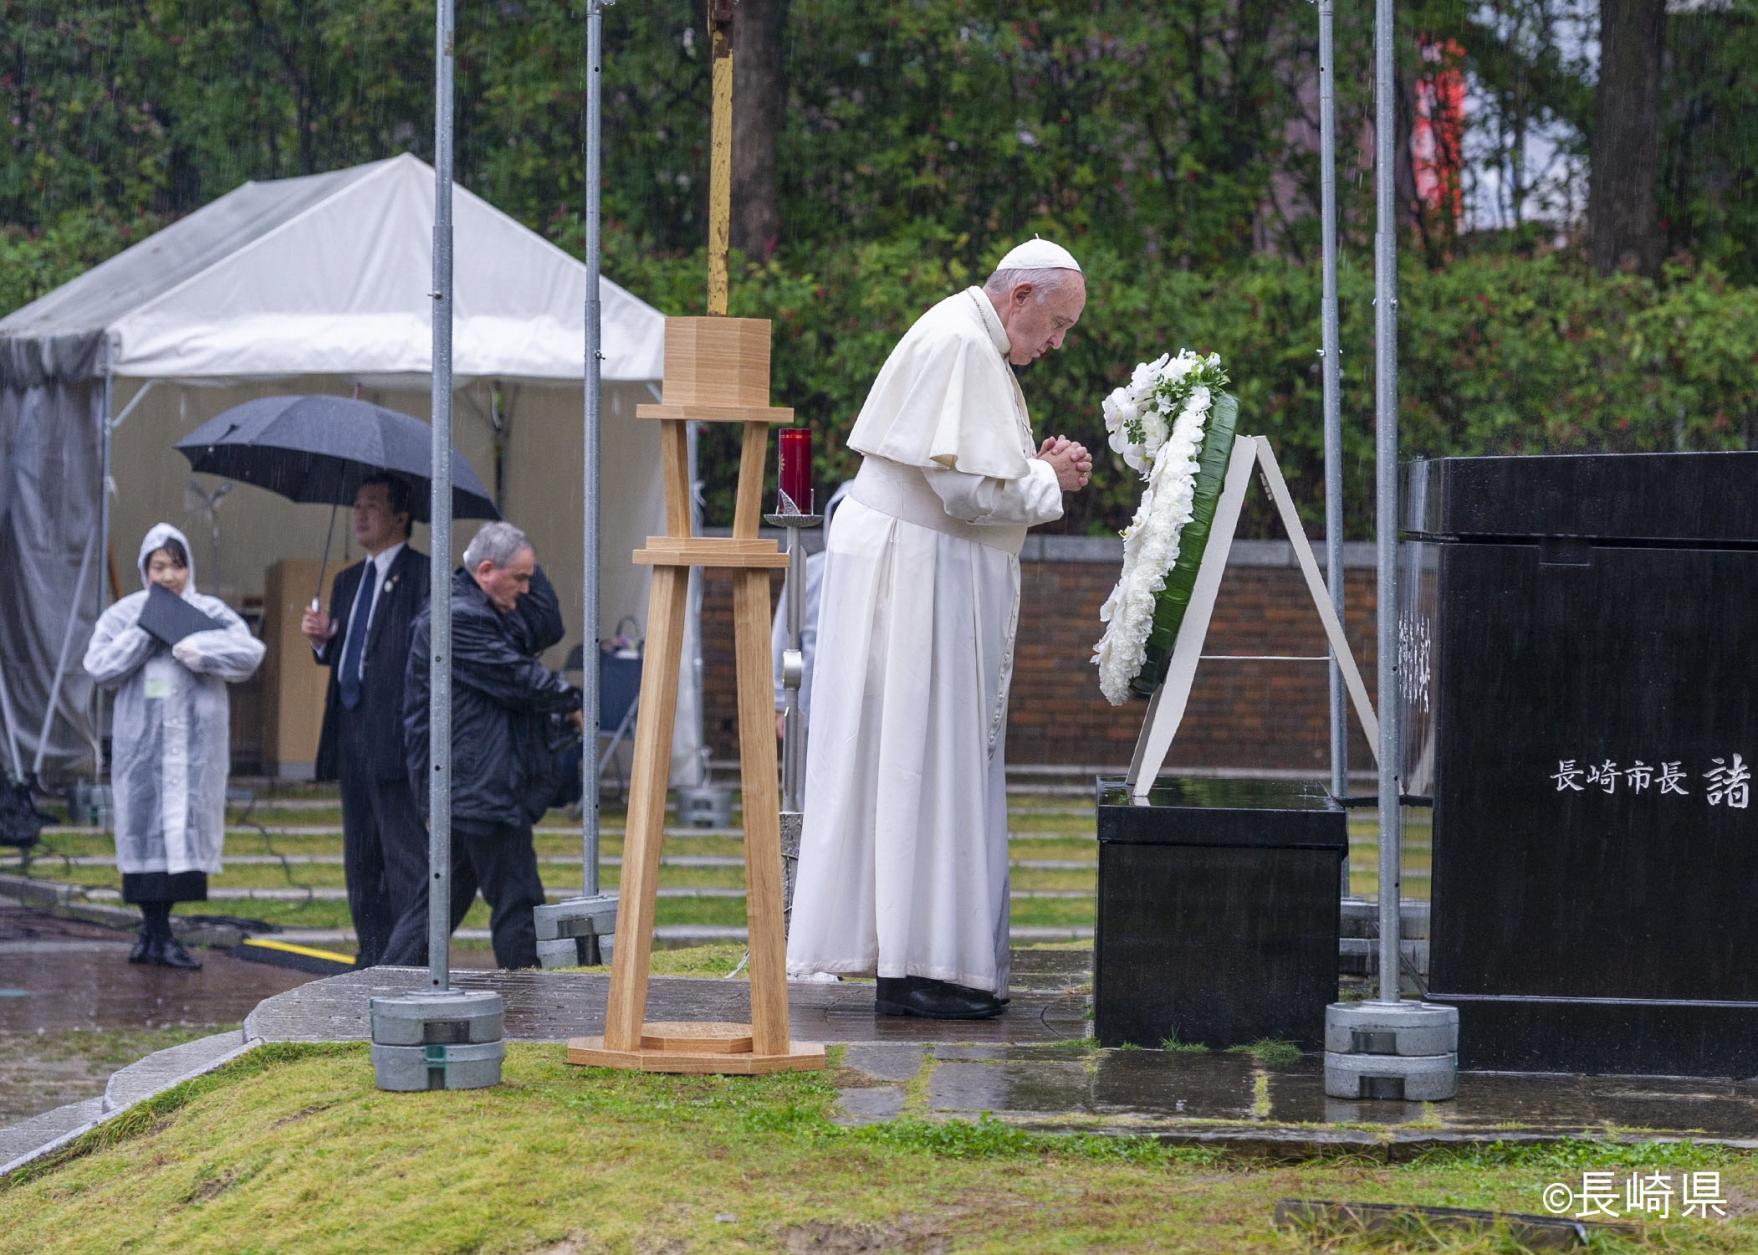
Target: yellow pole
pixel 720 20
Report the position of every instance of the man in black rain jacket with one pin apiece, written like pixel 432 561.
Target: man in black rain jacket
pixel 504 614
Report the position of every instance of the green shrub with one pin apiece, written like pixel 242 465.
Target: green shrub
pixel 1497 355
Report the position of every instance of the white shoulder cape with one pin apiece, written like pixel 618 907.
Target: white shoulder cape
pixel 947 397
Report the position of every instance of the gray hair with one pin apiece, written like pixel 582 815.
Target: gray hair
pixel 498 543
pixel 1044 281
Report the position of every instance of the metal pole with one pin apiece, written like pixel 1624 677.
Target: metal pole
pixel 589 653
pixel 1385 388
pixel 1332 369
pixel 793 765
pixel 439 842
pixel 104 541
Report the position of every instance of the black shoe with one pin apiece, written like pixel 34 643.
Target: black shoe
pixel 170 953
pixel 143 949
pixel 968 992
pixel 930 999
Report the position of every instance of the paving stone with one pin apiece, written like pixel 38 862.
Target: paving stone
pixel 1046 1087
pixel 956 1053
pixel 868 1106
pixel 886 1061
pixel 1157 1084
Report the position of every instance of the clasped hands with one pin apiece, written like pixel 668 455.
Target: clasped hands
pixel 1071 462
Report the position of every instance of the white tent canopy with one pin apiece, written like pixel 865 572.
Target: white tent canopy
pixel 313 284
pixel 331 274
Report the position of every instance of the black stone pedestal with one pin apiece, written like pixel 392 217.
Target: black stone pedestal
pixel 1577 647
pixel 1219 911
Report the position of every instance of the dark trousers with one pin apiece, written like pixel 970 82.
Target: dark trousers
pixel 501 861
pixel 384 856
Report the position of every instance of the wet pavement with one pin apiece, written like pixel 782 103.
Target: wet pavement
pixel 1034 1067
pixel 1049 1004
pixel 68 974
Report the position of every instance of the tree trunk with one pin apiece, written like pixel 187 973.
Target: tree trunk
pixel 759 105
pixel 1623 227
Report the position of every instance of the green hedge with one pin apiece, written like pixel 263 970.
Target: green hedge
pixel 1497 354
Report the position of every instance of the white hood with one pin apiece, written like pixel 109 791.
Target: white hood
pixel 155 540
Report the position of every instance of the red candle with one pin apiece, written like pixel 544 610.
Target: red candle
pixel 794 476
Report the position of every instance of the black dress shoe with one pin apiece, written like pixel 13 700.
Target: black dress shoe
pixel 968 992
pixel 932 1000
pixel 170 953
pixel 143 949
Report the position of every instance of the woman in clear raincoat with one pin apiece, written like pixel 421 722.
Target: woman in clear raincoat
pixel 170 742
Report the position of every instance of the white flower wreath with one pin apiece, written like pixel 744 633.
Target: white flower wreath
pixel 1156 424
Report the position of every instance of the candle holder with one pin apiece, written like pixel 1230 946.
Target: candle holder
pixel 793 478
pixel 794 510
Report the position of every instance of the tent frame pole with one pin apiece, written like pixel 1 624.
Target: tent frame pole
pixel 85 562
pixel 105 453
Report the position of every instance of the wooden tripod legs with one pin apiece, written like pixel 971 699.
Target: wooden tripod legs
pixel 763 1046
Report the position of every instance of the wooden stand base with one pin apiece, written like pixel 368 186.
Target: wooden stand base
pixel 699 1048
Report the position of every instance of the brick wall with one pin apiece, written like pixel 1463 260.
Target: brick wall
pixel 1249 715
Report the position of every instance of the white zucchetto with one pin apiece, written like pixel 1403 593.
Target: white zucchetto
pixel 1038 254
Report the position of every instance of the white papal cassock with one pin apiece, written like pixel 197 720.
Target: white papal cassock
pixel 903 854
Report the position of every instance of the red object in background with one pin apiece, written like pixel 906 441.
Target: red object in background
pixel 794 476
pixel 1437 137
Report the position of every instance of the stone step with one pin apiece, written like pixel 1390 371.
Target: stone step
pixel 1361 917
pixel 1360 956
pixel 235 829
pixel 665 935
pixel 220 893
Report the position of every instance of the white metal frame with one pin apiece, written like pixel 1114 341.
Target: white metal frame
pixel 1166 709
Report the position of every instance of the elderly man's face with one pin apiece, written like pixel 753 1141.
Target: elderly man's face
pixel 1035 327
pixel 504 585
pixel 164 570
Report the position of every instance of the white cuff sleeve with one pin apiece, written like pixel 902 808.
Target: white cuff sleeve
pixel 1034 498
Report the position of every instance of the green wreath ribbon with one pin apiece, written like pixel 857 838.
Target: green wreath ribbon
pixel 1173 599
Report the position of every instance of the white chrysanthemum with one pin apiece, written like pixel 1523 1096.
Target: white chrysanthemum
pixel 1171 415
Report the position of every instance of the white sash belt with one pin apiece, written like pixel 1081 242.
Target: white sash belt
pixel 902 492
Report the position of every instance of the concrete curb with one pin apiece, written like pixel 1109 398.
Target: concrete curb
pixel 30 1140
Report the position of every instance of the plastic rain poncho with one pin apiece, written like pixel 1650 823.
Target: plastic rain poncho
pixel 170 737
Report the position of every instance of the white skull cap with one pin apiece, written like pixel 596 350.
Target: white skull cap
pixel 1039 254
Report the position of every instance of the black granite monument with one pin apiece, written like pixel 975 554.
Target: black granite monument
pixel 1578 657
pixel 1219 912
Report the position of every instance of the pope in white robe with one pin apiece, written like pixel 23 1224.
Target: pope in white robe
pixel 903 863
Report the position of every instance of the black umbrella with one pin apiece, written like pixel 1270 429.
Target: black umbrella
pixel 319 449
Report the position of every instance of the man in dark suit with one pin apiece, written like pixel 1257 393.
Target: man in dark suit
pixel 364 640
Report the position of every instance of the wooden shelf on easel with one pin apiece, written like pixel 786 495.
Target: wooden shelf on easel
pixel 716 413
pixel 710 551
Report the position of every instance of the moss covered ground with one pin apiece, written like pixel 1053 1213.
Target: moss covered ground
pixel 292 1149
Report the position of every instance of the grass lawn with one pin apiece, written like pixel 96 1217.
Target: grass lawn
pixel 292 1149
